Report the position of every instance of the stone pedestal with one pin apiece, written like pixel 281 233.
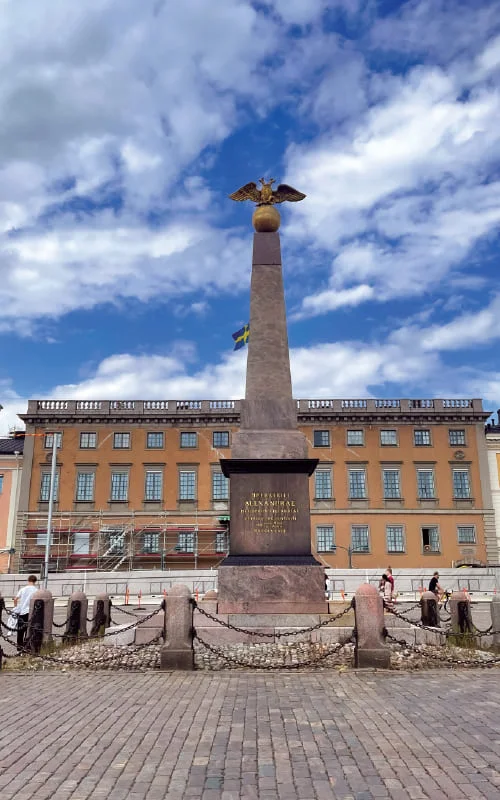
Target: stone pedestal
pixel 371 650
pixel 277 588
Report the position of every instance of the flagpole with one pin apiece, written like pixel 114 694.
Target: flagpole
pixel 51 507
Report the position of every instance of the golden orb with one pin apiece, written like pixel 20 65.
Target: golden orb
pixel 266 219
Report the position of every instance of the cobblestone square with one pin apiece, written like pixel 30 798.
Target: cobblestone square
pixel 222 736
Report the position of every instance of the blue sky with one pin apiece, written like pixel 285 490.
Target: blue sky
pixel 124 268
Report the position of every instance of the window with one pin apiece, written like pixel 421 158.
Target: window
pixel 422 437
pixel 88 441
pixel 388 437
pixel 355 437
pixel 85 486
pixel 121 441
pixel 153 487
pixel 119 486
pixel 45 487
pixel 49 441
pixel 456 437
pixel 187 484
pixel 324 538
pixel 466 534
pixel 185 542
pixel 154 440
pixel 359 539
pixel 321 438
pixel 392 484
pixel 220 486
pixel 323 484
pixel 461 484
pixel 41 538
pixel 1 484
pixel 357 484
pixel 220 439
pixel 189 439
pixel 425 484
pixel 221 542
pixel 151 543
pixel 116 542
pixel 430 539
pixel 395 539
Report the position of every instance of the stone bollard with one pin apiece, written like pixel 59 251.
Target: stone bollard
pixel 430 610
pixel 495 621
pixel 461 619
pixel 40 620
pixel 209 602
pixel 76 626
pixel 101 615
pixel 370 649
pixel 177 653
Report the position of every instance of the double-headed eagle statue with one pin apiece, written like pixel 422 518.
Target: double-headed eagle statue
pixel 266 195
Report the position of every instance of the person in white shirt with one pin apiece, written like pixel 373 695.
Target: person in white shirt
pixel 22 604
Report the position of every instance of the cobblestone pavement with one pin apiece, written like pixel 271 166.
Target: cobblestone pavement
pixel 223 736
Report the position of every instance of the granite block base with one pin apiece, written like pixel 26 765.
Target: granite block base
pixel 379 658
pixel 272 589
pixel 182 660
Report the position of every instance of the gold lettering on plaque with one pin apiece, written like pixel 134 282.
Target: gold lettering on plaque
pixel 269 511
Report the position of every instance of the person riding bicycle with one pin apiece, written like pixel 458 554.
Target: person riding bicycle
pixel 434 586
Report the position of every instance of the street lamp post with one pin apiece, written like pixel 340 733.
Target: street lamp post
pixel 51 508
pixel 348 551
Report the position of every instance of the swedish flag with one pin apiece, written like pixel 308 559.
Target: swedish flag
pixel 241 337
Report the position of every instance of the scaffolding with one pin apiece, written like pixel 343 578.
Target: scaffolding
pixel 100 541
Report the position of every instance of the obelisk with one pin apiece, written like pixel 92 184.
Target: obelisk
pixel 270 567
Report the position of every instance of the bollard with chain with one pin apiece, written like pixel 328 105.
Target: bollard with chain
pixel 76 623
pixel 370 649
pixel 101 615
pixel 495 620
pixel 40 621
pixel 430 610
pixel 461 620
pixel 178 653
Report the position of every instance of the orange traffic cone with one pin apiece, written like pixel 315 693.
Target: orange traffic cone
pixel 196 594
pixel 127 596
pixel 139 597
pixel 342 594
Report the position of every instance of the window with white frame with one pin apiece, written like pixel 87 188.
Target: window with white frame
pixel 324 538
pixel 49 441
pixel 430 539
pixel 189 439
pixel 220 438
pixel 466 534
pixel 121 440
pixel 88 441
pixel 187 484
pixel 422 437
pixel 321 438
pixel 220 486
pixel 356 437
pixel 395 538
pixel 392 484
pixel 153 485
pixel 359 539
pixel 85 482
pixel 388 437
pixel 116 542
pixel 41 538
pixel 154 440
pixel 221 542
pixel 185 542
pixel 461 484
pixel 425 484
pixel 151 542
pixel 45 487
pixel 323 484
pixel 456 436
pixel 357 484
pixel 119 486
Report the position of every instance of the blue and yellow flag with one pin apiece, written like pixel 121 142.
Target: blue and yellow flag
pixel 241 337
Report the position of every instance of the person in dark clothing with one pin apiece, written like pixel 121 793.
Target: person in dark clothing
pixel 434 585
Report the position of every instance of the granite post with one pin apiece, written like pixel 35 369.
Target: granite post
pixel 177 653
pixel 370 649
pixel 40 620
pixel 430 610
pixel 270 567
pixel 76 626
pixel 495 620
pixel 101 615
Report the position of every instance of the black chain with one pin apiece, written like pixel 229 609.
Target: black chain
pixel 442 657
pixel 271 635
pixel 62 624
pixel 125 611
pixel 218 651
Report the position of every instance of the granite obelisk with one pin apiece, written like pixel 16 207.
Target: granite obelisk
pixel 270 567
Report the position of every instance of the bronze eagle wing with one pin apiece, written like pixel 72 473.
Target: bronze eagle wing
pixel 247 192
pixel 285 192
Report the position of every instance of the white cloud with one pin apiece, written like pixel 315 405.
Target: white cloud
pixel 330 299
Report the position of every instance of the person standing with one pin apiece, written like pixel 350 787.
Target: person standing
pixel 22 604
pixel 390 578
